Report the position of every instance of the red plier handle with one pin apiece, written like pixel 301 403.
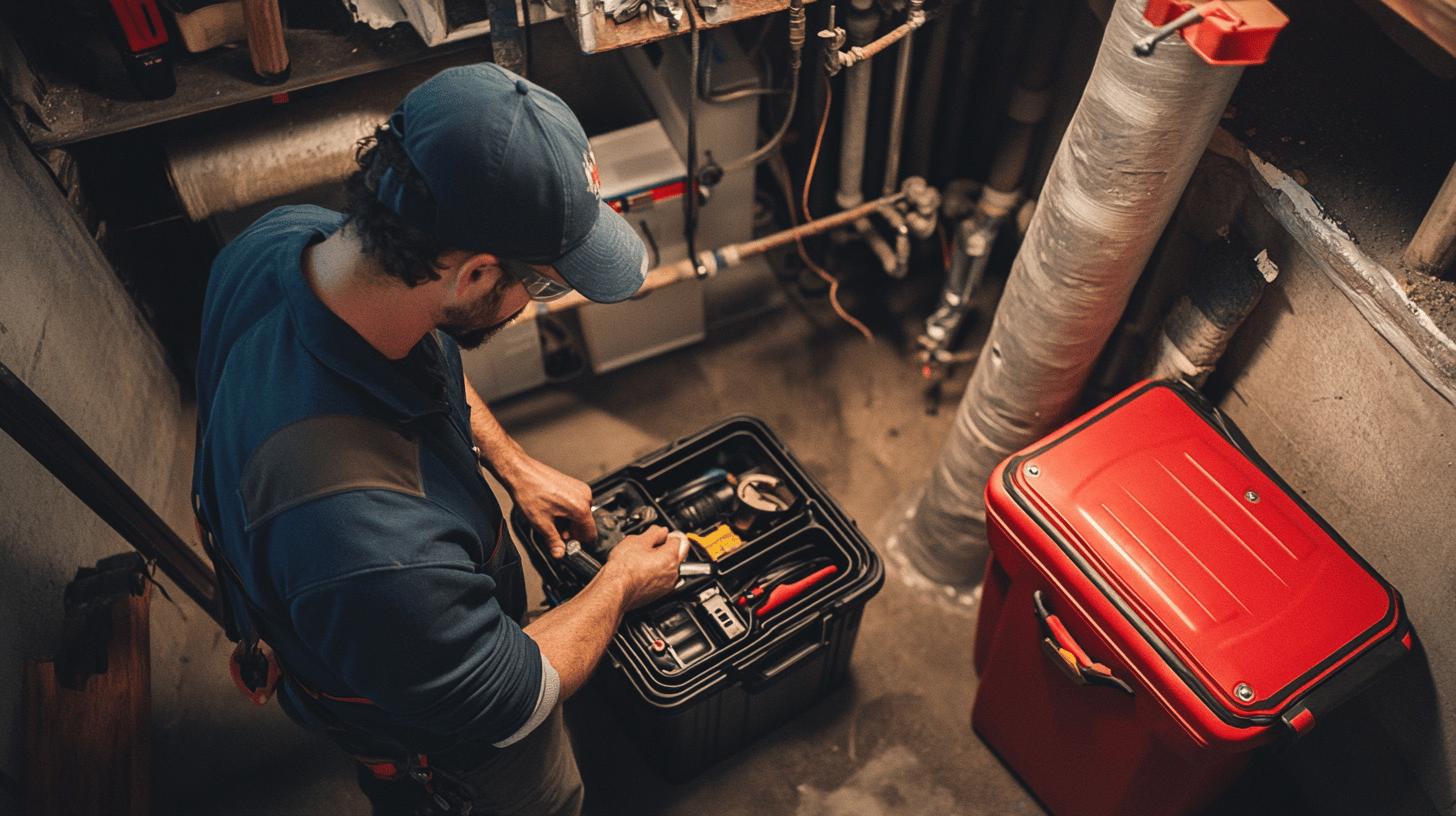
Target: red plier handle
pixel 768 600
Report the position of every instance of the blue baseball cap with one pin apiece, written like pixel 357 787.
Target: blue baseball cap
pixel 508 171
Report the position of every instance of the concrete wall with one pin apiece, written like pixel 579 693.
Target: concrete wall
pixel 70 331
pixel 1347 422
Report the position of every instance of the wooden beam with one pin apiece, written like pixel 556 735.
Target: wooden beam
pixel 89 751
pixel 1433 249
pixel 1434 18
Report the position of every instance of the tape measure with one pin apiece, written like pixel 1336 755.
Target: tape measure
pixel 718 542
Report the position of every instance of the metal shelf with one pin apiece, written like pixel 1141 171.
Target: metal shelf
pixel 62 111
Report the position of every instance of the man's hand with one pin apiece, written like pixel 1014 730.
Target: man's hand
pixel 646 564
pixel 546 496
pixel 639 569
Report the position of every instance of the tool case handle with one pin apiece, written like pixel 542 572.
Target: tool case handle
pixel 1346 683
pixel 800 646
pixel 1067 655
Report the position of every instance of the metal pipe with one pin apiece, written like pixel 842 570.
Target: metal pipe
pixel 857 54
pixel 717 260
pixel 837 61
pixel 860 27
pixel 922 129
pixel 1128 153
pixel 973 24
pixel 877 245
pixel 1030 100
pixel 897 112
pixel 852 146
pixel 1433 249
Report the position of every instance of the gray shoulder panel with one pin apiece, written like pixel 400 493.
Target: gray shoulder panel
pixel 324 455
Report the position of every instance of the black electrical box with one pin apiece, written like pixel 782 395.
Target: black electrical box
pixel 764 620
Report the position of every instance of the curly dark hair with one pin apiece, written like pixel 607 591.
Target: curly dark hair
pixel 405 252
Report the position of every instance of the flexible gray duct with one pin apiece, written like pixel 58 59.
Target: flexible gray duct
pixel 1126 157
pixel 276 154
pixel 1230 279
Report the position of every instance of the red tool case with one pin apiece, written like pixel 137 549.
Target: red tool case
pixel 1158 604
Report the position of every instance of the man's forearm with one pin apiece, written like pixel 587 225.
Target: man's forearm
pixel 574 636
pixel 498 450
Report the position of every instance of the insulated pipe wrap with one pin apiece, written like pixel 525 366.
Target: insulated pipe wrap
pixel 1119 172
pixel 272 156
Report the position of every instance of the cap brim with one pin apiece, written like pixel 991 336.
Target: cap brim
pixel 610 265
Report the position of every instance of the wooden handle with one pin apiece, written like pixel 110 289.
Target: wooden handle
pixel 265 40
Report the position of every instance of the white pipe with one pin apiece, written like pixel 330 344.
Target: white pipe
pixel 1127 155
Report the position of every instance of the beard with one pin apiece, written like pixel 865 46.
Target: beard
pixel 471 326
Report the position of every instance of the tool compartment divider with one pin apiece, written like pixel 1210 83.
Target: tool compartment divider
pixel 738 684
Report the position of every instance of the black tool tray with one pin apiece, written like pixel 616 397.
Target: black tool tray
pixel 670 659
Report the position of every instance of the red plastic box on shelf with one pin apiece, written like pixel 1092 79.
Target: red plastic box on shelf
pixel 1158 604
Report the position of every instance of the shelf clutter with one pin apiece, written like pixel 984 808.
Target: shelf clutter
pixel 597 33
pixel 56 109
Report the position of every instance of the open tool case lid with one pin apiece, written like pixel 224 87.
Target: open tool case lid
pixel 1210 560
pixel 813 524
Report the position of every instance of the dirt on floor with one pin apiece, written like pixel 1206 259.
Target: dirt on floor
pixel 1437 297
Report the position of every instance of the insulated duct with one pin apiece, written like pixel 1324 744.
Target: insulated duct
pixel 1128 153
pixel 1230 280
pixel 289 149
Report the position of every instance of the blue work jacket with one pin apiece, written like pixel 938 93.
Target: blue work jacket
pixel 344 490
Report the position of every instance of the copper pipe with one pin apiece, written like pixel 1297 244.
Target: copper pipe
pixel 727 257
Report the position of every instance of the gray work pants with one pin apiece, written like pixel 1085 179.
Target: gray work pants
pixel 534 777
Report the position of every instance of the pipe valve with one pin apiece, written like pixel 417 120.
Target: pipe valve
pixel 833 38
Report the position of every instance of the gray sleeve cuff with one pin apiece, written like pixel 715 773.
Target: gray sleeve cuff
pixel 546 700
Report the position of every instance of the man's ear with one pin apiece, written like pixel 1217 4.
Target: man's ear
pixel 476 273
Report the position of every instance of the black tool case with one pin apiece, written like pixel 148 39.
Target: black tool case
pixel 679 671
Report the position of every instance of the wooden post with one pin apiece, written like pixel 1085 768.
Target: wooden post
pixel 1433 249
pixel 265 40
pixel 89 751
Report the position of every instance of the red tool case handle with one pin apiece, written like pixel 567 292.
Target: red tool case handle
pixel 1067 655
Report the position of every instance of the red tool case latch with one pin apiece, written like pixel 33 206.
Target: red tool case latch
pixel 1223 32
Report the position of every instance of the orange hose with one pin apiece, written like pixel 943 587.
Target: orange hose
pixel 804 202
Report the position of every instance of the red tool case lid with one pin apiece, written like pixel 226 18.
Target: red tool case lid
pixel 1224 571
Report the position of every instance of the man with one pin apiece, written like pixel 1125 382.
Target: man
pixel 339 450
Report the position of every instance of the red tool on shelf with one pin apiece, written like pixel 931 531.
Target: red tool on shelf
pixel 1223 32
pixel 141 37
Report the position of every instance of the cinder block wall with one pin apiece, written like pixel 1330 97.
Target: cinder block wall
pixel 71 332
pixel 1350 425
